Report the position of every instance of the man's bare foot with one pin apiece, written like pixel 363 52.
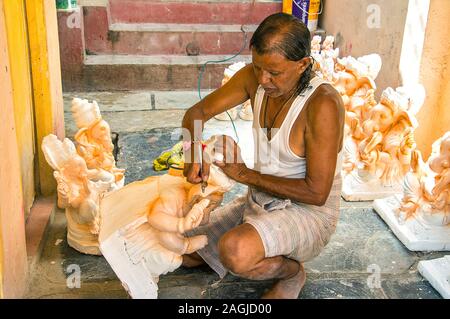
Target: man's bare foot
pixel 287 288
pixel 192 260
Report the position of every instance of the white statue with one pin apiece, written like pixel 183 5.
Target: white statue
pixel 94 142
pixel 379 142
pixel 329 57
pixel 420 216
pixel 79 190
pixel 315 45
pixel 353 78
pixel 245 113
pixel 379 137
pixel 143 225
pixel 83 173
pixel 328 44
pixel 427 186
pixel 325 56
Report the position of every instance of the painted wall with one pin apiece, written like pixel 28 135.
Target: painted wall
pixel 13 259
pixel 358 31
pixel 22 94
pixel 30 89
pixel 72 45
pixel 46 76
pixel 434 117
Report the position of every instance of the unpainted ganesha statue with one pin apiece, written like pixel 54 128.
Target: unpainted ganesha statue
pixel 79 189
pixel 380 146
pixel 427 186
pixel 144 224
pixel 93 140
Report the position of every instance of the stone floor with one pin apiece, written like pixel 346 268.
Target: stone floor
pixel 362 252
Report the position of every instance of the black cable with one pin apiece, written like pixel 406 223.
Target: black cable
pixel 244 45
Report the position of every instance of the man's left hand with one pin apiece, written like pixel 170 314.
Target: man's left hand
pixel 232 163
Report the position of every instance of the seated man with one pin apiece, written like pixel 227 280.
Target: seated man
pixel 292 206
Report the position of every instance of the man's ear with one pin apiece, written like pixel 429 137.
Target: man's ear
pixel 303 64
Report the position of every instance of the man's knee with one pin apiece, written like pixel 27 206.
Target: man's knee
pixel 234 253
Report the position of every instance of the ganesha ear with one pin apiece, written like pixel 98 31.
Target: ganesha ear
pixel 366 80
pixel 408 117
pixel 415 95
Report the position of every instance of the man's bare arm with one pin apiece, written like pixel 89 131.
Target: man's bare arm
pixel 323 137
pixel 232 93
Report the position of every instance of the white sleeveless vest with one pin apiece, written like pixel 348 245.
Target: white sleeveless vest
pixel 275 157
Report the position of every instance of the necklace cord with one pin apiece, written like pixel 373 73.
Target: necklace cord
pixel 269 129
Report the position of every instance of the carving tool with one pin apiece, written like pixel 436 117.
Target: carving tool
pixel 200 153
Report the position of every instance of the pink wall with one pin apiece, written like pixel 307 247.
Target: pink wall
pixel 13 258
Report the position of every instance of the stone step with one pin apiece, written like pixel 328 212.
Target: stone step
pixel 162 72
pixel 137 100
pixel 154 38
pixel 105 3
pixel 212 12
pixel 172 60
pixel 182 28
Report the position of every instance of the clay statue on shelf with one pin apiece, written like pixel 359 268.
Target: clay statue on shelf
pixel 419 215
pixel 427 186
pixel 93 141
pixel 389 128
pixel 144 224
pixel 83 174
pixel 79 190
pixel 379 137
pixel 355 77
pixel 315 45
pixel 329 57
pixel 380 140
pixel 245 113
pixel 325 56
pixel 328 45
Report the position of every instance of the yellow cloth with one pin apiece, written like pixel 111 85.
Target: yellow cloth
pixel 172 157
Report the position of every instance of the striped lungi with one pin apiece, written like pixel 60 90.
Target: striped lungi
pixel 295 230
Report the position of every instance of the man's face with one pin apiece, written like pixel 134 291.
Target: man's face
pixel 276 74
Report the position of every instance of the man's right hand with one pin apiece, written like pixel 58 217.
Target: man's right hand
pixel 192 170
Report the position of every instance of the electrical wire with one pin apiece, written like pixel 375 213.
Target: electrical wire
pixel 244 45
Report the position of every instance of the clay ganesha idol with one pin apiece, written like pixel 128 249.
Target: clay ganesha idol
pixel 380 142
pixel 379 137
pixel 354 79
pixel 325 56
pixel 93 140
pixel 79 190
pixel 143 225
pixel 420 215
pixel 83 173
pixel 427 186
